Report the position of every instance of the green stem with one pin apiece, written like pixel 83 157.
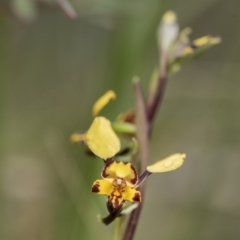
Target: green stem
pixel 2 95
pixel 119 228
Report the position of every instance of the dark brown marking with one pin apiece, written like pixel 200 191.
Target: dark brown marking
pixel 137 197
pixel 134 180
pixel 116 202
pixel 114 213
pixel 104 172
pixel 95 187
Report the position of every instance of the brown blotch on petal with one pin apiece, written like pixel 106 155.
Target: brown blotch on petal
pixel 104 174
pixel 137 197
pixel 134 180
pixel 116 202
pixel 95 187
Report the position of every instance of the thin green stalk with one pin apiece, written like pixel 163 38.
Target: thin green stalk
pixel 120 221
pixel 2 93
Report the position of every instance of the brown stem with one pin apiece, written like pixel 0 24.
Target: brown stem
pixel 151 110
pixel 133 220
pixel 154 104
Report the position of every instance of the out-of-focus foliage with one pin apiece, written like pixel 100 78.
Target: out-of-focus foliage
pixel 54 69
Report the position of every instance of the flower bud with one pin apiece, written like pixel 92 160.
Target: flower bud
pixel 167 31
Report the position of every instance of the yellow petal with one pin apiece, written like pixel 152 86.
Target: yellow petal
pixel 131 195
pixel 122 170
pixel 101 139
pixel 200 44
pixel 103 101
pixel 77 138
pixel 103 187
pixel 115 200
pixel 167 164
pixel 206 40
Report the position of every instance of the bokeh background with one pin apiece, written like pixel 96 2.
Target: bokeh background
pixel 53 68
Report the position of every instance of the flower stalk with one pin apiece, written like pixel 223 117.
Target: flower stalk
pixel 168 41
pixel 145 117
pixel 142 124
pixel 123 181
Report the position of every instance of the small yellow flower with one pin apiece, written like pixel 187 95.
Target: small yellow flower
pixel 118 183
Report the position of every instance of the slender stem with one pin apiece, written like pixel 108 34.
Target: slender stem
pixel 133 221
pixel 153 105
pixel 117 229
pixel 142 178
pixel 120 221
pixel 152 108
pixel 142 124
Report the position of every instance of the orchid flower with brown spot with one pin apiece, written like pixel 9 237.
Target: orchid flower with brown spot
pixel 120 181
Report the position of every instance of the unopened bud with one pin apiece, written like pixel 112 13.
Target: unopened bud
pixel 168 31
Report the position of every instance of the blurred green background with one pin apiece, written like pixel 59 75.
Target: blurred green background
pixel 52 69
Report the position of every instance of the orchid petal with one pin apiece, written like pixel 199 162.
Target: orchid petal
pixel 121 170
pixel 102 102
pixel 167 164
pixel 101 139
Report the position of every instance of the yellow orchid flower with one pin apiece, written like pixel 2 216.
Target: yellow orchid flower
pixel 120 179
pixel 118 183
